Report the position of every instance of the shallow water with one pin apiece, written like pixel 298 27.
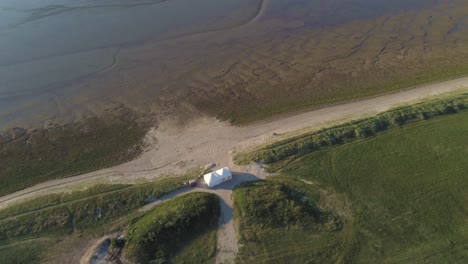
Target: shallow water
pixel 47 47
pixel 46 44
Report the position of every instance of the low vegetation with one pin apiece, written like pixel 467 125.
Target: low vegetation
pixel 28 158
pixel 292 148
pixel 23 252
pixel 277 223
pixel 341 89
pixel 201 249
pixel 49 200
pixel 160 234
pixel 405 191
pixel 265 204
pixel 66 213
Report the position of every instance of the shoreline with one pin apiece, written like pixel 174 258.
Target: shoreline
pixel 206 140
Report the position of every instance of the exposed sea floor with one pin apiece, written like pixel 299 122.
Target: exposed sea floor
pixel 62 60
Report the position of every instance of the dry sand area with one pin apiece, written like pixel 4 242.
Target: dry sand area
pixel 175 147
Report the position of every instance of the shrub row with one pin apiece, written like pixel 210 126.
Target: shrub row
pixel 305 144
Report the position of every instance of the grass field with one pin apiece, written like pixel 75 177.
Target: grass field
pixel 401 196
pixel 201 249
pixel 23 252
pixel 186 224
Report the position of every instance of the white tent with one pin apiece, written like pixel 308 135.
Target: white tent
pixel 217 177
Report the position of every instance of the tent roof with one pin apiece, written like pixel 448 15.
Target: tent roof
pixel 224 172
pixel 215 177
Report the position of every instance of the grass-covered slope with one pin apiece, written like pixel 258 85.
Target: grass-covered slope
pixel 80 210
pixel 278 224
pixel 406 188
pixel 267 204
pixel 167 230
pixel 292 148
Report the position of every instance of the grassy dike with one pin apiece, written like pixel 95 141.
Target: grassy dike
pixel 281 152
pixel 59 214
pixel 29 158
pixel 279 222
pixel 171 227
pixel 400 196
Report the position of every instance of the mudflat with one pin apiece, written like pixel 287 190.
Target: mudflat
pixel 260 59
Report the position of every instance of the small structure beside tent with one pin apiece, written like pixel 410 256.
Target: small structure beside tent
pixel 217 177
pixel 192 183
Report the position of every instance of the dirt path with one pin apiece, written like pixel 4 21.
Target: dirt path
pixel 86 258
pixel 205 140
pixel 227 235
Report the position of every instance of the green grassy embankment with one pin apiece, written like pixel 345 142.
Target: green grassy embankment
pixel 401 196
pixel 175 227
pixel 278 223
pixel 67 213
pixel 45 154
pixel 289 149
